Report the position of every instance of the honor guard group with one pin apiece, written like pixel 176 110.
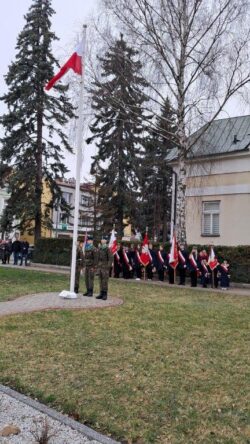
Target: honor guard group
pixel 126 263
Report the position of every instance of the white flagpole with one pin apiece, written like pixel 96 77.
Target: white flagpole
pixel 79 159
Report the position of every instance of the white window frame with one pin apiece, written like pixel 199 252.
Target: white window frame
pixel 212 213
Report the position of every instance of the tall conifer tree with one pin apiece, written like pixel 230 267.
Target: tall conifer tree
pixel 117 131
pixel 156 175
pixel 32 121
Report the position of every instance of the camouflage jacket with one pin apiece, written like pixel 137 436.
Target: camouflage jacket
pixel 79 257
pixel 90 257
pixel 105 258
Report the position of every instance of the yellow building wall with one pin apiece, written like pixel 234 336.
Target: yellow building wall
pixel 46 197
pixel 234 220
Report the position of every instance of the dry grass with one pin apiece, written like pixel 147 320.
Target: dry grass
pixel 169 366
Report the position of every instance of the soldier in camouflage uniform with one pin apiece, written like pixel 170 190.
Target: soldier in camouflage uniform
pixel 90 262
pixel 105 259
pixel 79 265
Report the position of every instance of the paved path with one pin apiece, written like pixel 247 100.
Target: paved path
pixel 52 301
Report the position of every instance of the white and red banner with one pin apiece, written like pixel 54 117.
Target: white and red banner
pixel 145 257
pixel 212 261
pixel 74 63
pixel 173 256
pixel 113 242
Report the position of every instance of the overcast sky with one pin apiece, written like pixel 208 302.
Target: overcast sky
pixel 66 23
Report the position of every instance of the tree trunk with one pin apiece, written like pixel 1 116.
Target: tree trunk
pixel 181 202
pixel 39 173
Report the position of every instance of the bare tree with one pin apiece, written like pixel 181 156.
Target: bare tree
pixel 196 52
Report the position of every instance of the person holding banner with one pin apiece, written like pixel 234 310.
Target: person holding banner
pixel 193 266
pixel 117 261
pixel 202 264
pixel 213 264
pixel 138 264
pixel 182 265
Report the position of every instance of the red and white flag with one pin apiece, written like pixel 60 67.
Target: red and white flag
pixel 74 62
pixel 173 257
pixel 212 261
pixel 144 256
pixel 113 242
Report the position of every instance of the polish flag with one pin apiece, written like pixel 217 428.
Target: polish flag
pixel 74 62
pixel 173 257
pixel 145 257
pixel 212 261
pixel 113 242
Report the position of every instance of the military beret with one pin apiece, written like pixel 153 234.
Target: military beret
pixel 105 237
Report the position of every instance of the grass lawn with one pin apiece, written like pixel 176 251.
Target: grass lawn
pixel 19 282
pixel 170 366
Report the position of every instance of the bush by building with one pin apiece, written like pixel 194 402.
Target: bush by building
pixel 58 252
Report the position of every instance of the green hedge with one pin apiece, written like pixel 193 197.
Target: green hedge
pixel 53 251
pixel 58 252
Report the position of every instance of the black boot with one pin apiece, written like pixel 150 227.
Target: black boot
pixel 86 293
pixel 90 293
pixel 104 296
pixel 76 290
pixel 100 296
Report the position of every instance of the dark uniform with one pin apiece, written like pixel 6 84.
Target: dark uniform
pixel 151 267
pixel 137 263
pixel 117 262
pixel 126 263
pixel 224 275
pixel 104 262
pixel 171 270
pixel 79 266
pixel 202 264
pixel 90 263
pixel 193 267
pixel 161 263
pixel 182 265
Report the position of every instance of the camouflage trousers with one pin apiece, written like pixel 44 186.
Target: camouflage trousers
pixel 77 277
pixel 89 278
pixel 103 278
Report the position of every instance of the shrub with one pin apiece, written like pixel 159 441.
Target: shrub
pixel 58 252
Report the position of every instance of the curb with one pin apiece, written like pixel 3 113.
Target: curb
pixel 87 431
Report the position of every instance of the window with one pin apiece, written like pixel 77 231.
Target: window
pixel 86 200
pixel 67 197
pixel 64 219
pixel 211 218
